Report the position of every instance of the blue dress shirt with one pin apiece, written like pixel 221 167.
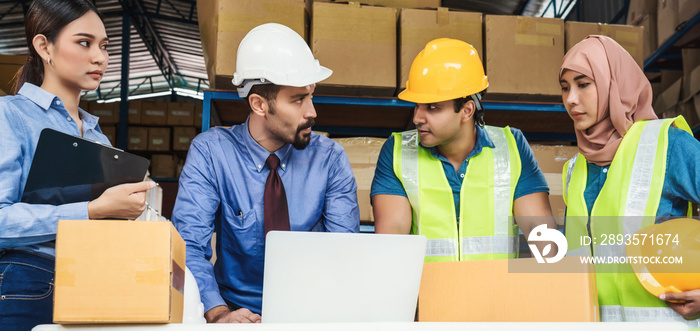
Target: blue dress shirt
pixel 681 182
pixel 531 178
pixel 221 189
pixel 23 226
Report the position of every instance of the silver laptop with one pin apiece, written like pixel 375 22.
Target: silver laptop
pixel 341 277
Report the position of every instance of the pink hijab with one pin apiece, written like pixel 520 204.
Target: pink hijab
pixel 624 95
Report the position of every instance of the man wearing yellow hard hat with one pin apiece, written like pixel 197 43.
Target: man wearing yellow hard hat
pixel 453 179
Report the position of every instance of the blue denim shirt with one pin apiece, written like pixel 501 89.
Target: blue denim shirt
pixel 531 178
pixel 222 187
pixel 32 227
pixel 681 182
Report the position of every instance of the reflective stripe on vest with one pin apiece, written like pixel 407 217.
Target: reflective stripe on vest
pixel 633 190
pixel 483 233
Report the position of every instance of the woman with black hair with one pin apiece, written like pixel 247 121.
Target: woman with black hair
pixel 67 44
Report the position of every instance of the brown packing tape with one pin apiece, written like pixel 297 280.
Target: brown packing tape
pixel 604 29
pixel 534 40
pixel 548 29
pixel 443 16
pixel 469 25
pixel 67 271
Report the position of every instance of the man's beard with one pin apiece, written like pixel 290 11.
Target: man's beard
pixel 302 140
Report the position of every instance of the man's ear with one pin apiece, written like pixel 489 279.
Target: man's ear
pixel 258 104
pixel 41 45
pixel 467 111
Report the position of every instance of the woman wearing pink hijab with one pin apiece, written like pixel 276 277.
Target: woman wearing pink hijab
pixel 630 164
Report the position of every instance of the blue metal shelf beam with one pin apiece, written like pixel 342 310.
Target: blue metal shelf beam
pixel 211 95
pixel 675 37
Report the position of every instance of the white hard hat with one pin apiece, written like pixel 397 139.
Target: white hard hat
pixel 274 53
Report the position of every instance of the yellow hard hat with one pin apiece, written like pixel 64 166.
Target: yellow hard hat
pixel 671 240
pixel 446 69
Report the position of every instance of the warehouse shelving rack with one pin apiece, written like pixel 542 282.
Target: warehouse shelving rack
pixel 375 116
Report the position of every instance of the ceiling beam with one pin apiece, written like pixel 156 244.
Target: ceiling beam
pixel 148 33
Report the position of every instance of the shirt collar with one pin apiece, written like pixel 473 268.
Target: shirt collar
pixel 38 95
pixel 482 140
pixel 46 100
pixel 258 153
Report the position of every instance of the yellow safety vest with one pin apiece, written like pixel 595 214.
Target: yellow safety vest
pixel 485 228
pixel 627 202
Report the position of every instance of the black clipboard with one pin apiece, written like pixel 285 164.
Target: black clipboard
pixel 67 169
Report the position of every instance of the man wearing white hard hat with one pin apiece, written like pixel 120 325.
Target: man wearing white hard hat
pixel 269 173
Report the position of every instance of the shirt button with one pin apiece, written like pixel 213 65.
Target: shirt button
pixel 58 102
pixel 461 176
pixel 605 171
pixel 283 165
pixel 259 166
pixel 68 118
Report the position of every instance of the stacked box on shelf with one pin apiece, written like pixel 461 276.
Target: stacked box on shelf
pixel 107 112
pixel 137 138
pixel 159 139
pixel 134 111
pixel 110 131
pixel 643 13
pixel 395 3
pixel 359 44
pixel 154 113
pixel 523 55
pixel 691 60
pixel 417 27
pixel 198 109
pixel 228 21
pixel 182 136
pixel 631 38
pixel 180 113
pixel 9 65
pixel 689 107
pixel 687 9
pixel 163 165
pixel 363 153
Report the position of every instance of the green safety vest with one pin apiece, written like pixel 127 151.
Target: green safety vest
pixel 485 228
pixel 633 187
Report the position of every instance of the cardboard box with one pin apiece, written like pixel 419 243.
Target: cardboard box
pixel 631 38
pixel 224 23
pixel 163 166
pixel 687 9
pixel 359 44
pixel 394 3
pixel 158 139
pixel 689 107
pixel 551 160
pixel 524 54
pixel 667 20
pixel 134 111
pixel 137 138
pixel 668 98
pixel 643 13
pixel 198 115
pixel 107 112
pixel 9 66
pixel 485 291
pixel 418 27
pixel 691 61
pixel 111 132
pixel 363 153
pixel 180 113
pixel 182 136
pixel 154 113
pixel 118 272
